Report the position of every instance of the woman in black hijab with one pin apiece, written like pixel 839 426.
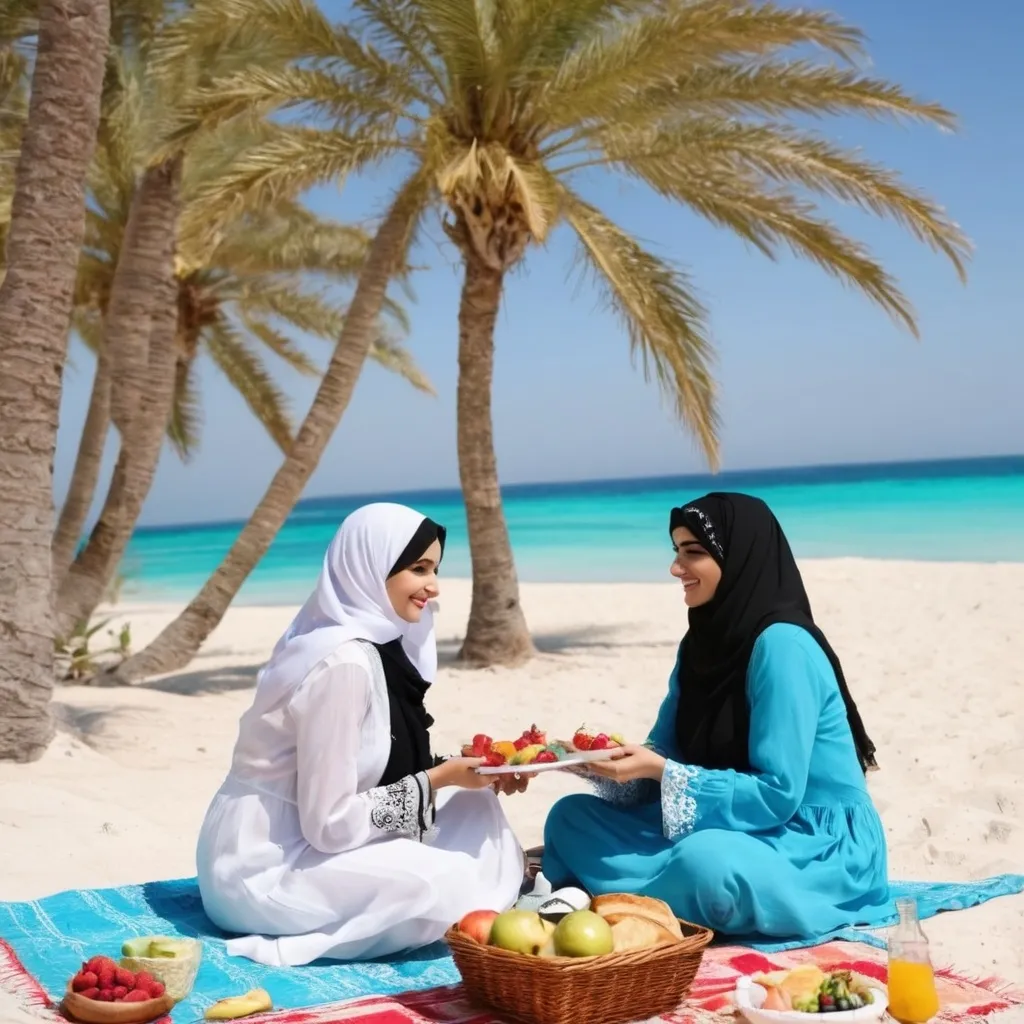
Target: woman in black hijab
pixel 747 809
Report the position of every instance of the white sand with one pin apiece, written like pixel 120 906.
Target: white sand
pixel 934 654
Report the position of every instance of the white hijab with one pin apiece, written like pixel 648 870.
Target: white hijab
pixel 350 600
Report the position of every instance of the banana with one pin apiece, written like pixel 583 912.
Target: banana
pixel 256 1000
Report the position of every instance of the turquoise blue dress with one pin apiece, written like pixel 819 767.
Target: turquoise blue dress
pixel 793 848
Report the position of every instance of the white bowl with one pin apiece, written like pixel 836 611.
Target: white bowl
pixel 750 996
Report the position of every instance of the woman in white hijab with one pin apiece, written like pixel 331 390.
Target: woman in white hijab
pixel 336 834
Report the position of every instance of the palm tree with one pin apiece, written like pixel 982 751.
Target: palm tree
pixel 43 240
pixel 261 275
pixel 179 641
pixel 500 106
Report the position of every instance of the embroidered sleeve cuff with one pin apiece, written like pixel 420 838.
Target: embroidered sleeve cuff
pixel 680 786
pixel 404 808
pixel 625 794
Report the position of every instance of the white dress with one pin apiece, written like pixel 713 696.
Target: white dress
pixel 306 856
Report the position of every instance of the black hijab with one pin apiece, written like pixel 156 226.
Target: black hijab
pixel 410 723
pixel 760 585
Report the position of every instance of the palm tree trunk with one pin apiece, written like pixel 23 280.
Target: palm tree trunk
pixel 46 231
pixel 86 474
pixel 497 632
pixel 140 334
pixel 179 641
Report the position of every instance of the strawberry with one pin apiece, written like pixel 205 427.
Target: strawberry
pixel 120 991
pixel 106 995
pixel 546 757
pixel 156 989
pixel 97 963
pixel 600 742
pixel 90 993
pixel 106 975
pixel 83 980
pixel 124 977
pixel 145 981
pixel 137 995
pixel 582 740
pixel 535 735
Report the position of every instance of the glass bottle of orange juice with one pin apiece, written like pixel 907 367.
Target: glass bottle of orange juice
pixel 912 995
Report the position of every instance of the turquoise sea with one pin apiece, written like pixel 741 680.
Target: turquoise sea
pixel 967 510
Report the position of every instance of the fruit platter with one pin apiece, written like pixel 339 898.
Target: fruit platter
pixel 532 752
pixel 618 959
pixel 807 992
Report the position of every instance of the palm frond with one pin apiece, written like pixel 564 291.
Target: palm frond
pixel 249 377
pixel 399 28
pixel 283 164
pixel 665 321
pixel 277 342
pixel 184 427
pixel 304 310
pixel 675 162
pixel 670 38
pixel 397 359
pixel 288 238
pixel 775 88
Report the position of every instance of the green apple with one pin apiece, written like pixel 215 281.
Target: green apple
pixel 519 931
pixel 583 933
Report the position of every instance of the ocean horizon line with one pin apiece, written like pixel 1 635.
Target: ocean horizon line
pixel 819 473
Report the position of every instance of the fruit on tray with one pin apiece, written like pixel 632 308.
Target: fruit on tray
pixel 585 739
pixel 102 980
pixel 808 989
pixel 532 747
pixel 256 1000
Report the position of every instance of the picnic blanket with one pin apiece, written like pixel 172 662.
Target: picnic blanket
pixel 49 938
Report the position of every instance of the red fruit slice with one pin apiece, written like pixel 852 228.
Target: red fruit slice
pixel 600 742
pixel 494 760
pixel 582 740
pixel 546 757
pixel 481 745
pixel 523 741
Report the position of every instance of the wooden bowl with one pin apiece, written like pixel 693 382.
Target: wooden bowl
pixel 92 1011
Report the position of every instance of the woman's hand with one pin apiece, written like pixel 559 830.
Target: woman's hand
pixel 630 762
pixel 458 771
pixel 509 784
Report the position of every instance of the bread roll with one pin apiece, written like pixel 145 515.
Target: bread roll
pixel 631 931
pixel 642 906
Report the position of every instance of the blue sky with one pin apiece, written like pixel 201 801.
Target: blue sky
pixel 809 372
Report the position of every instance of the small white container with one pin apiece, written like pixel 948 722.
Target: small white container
pixel 749 997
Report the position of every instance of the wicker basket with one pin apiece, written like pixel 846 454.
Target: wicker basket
pixel 611 989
